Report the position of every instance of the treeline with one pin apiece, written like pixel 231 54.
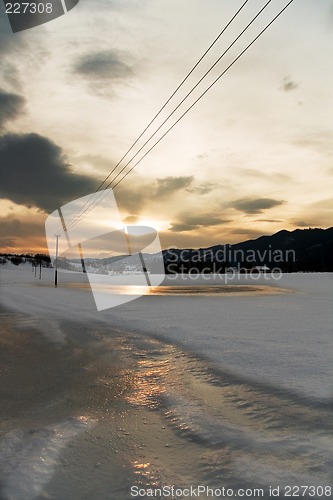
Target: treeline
pixel 33 259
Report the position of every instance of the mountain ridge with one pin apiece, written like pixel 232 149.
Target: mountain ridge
pixel 309 249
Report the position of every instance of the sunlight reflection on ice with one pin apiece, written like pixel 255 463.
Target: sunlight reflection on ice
pixel 176 290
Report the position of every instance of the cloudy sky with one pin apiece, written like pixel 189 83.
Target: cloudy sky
pixel 254 156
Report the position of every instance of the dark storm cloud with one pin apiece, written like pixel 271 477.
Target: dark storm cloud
pixel 103 65
pixel 11 106
pixel 189 223
pixel 35 172
pixel 255 205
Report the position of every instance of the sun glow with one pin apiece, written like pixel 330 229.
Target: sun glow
pixel 158 225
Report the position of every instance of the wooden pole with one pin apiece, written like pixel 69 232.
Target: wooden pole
pixel 56 261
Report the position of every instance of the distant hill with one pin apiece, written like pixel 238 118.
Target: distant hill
pixel 291 251
pixel 301 250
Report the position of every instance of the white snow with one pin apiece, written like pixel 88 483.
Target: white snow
pixel 284 339
pixel 28 457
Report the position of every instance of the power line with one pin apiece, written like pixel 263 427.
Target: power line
pixel 163 107
pixel 174 92
pixel 95 202
pixel 89 209
pixel 194 87
pixel 204 93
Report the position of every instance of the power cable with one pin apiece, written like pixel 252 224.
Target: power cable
pixel 88 210
pixel 161 109
pixel 204 93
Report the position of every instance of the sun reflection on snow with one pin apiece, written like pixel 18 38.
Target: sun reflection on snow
pixel 139 466
pixel 144 470
pixel 148 384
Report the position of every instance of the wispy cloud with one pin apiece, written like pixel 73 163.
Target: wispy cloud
pixel 269 176
pixel 318 140
pixel 103 65
pixel 11 106
pixel 14 231
pixel 134 196
pixel 303 223
pixel 255 205
pixel 269 220
pixel 203 188
pixel 169 185
pixel 189 222
pixel 288 84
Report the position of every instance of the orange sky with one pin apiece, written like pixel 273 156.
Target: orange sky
pixel 253 157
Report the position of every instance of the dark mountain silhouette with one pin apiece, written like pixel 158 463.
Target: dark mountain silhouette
pixel 307 250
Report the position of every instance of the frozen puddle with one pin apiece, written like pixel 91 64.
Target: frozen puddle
pixel 28 457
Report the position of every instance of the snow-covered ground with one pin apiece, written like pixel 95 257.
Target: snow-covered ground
pixel 201 381
pixel 282 337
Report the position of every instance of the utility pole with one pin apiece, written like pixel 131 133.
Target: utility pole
pixel 40 269
pixel 56 261
pixel 82 259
